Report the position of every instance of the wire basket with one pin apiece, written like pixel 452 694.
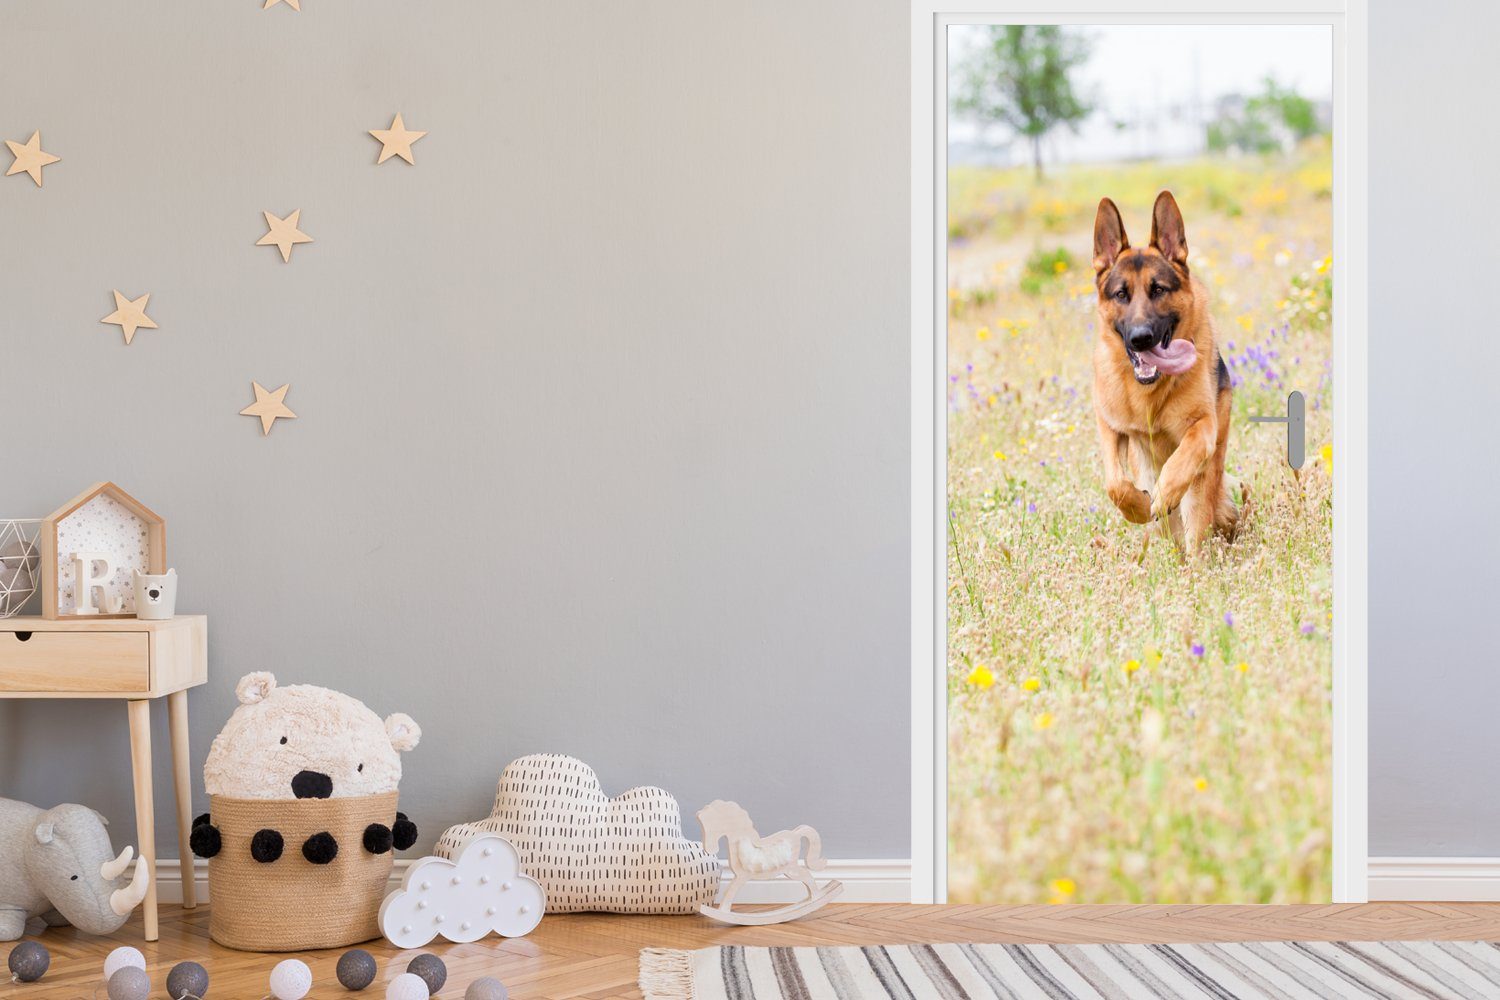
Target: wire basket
pixel 20 563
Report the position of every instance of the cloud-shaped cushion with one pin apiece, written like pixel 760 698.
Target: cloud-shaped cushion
pixel 590 852
pixel 482 892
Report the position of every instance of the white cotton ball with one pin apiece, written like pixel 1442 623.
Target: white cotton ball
pixel 290 980
pixel 123 957
pixel 407 987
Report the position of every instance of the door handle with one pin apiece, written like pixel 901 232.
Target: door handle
pixel 1296 428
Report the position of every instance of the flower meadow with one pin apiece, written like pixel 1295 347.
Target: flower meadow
pixel 1127 724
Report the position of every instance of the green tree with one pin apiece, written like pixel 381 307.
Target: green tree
pixel 1255 128
pixel 1020 78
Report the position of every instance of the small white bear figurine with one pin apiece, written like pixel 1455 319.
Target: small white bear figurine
pixel 155 595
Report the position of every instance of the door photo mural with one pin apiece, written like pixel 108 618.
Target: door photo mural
pixel 1140 463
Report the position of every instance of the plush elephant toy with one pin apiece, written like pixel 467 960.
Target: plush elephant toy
pixel 57 864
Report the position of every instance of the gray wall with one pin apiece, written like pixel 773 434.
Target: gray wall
pixel 603 425
pixel 1434 547
pixel 633 333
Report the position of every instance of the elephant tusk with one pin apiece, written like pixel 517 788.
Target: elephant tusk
pixel 112 870
pixel 122 901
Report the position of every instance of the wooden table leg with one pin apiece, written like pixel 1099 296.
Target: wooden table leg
pixel 182 781
pixel 145 816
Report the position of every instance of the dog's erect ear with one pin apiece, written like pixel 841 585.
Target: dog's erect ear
pixel 1109 236
pixel 1167 233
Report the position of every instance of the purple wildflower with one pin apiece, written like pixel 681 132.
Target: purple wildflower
pixel 1307 628
pixel 1198 649
pixel 1229 618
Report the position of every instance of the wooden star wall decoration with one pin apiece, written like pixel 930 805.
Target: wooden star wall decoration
pixel 30 158
pixel 130 315
pixel 283 234
pixel 269 407
pixel 396 140
pixel 294 4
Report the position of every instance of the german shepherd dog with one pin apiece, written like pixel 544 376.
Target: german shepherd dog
pixel 1161 389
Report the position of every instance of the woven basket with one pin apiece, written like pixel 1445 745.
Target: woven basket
pixel 292 904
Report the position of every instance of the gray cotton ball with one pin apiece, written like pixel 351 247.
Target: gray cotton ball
pixel 488 988
pixel 129 983
pixel 28 961
pixel 356 969
pixel 187 979
pixel 431 970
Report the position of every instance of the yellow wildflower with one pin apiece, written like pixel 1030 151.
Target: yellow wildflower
pixel 1031 684
pixel 1324 264
pixel 1131 666
pixel 983 333
pixel 1153 656
pixel 1201 784
pixel 1005 324
pixel 992 399
pixel 981 677
pixel 1242 667
pixel 1043 721
pixel 1059 266
pixel 1326 452
pixel 999 455
pixel 1063 889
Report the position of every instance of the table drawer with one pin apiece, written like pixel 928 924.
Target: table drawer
pixel 74 661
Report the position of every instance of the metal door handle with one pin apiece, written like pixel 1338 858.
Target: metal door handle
pixel 1296 428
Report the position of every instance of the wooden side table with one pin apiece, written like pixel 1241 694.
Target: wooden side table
pixel 135 661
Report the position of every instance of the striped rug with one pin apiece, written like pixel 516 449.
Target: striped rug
pixel 1274 970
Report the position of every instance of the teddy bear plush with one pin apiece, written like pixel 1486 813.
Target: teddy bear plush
pixel 305 742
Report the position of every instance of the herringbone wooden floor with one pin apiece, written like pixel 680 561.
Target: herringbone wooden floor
pixel 594 956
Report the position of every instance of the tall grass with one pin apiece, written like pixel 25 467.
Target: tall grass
pixel 1124 724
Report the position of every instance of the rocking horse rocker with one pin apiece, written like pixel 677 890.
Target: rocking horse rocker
pixel 756 858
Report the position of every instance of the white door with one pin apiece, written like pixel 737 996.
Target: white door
pixel 1128 711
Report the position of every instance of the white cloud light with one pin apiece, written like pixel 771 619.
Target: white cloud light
pixel 482 892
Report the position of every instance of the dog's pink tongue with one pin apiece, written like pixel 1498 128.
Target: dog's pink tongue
pixel 1176 358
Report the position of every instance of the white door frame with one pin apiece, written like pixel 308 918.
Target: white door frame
pixel 930 18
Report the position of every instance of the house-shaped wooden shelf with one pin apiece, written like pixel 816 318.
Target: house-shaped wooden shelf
pixel 105 521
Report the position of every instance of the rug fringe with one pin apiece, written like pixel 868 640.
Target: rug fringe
pixel 666 974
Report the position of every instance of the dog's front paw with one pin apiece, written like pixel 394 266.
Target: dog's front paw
pixel 1133 503
pixel 1162 506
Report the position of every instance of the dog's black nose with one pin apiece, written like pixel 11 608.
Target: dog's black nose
pixel 1140 339
pixel 311 785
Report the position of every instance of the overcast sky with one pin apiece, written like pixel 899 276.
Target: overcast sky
pixel 1146 63
pixel 1155 73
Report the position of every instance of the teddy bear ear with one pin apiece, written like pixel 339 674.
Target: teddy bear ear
pixel 44 832
pixel 255 688
pixel 403 731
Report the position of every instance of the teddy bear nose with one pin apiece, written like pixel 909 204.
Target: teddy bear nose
pixel 311 785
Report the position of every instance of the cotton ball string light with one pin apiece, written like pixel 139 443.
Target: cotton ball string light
pixel 356 969
pixel 431 970
pixel 187 981
pixel 122 957
pixel 486 988
pixel 129 983
pixel 28 962
pixel 407 987
pixel 290 980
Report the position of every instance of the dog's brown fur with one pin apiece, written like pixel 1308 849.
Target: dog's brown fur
pixel 1163 444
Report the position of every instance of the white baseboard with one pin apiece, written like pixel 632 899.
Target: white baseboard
pixel 1448 880
pixel 881 880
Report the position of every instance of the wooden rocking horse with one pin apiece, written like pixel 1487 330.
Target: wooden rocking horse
pixel 756 858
